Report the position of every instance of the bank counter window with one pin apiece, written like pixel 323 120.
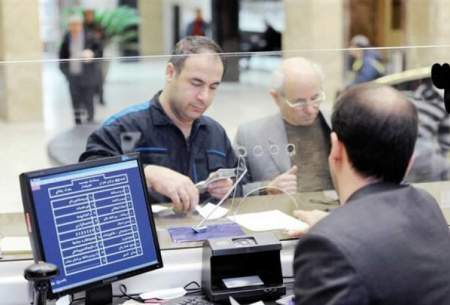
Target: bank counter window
pixel 268 116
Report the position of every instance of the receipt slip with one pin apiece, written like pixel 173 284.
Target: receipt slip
pixel 269 220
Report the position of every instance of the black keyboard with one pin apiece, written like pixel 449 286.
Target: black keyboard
pixel 189 301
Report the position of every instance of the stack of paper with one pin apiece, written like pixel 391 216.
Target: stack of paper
pixel 269 220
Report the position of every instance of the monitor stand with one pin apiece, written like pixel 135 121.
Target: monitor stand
pixel 99 295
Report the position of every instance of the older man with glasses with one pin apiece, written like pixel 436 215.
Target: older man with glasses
pixel 287 152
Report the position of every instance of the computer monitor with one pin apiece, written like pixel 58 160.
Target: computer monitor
pixel 92 220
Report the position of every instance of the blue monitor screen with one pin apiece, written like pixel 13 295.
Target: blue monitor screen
pixel 94 223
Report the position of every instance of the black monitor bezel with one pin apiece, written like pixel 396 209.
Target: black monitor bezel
pixel 33 229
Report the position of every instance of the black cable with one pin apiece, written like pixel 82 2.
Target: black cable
pixel 123 290
pixel 191 290
pixel 187 288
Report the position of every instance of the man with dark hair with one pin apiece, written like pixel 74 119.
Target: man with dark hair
pixel 94 29
pixel 388 243
pixel 179 145
pixel 194 45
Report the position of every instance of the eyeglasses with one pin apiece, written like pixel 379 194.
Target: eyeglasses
pixel 303 103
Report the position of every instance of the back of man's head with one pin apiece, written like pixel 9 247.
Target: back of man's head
pixel 192 45
pixel 378 128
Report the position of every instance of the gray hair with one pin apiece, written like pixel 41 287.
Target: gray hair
pixel 360 41
pixel 279 75
pixel 75 18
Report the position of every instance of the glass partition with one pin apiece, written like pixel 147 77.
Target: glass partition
pixel 260 110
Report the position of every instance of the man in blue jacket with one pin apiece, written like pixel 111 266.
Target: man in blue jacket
pixel 179 145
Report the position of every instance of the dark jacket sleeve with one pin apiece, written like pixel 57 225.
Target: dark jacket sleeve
pixel 104 142
pixel 323 275
pixel 94 44
pixel 64 53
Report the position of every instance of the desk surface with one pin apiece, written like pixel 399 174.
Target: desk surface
pixel 12 224
pixel 441 192
pixel 284 203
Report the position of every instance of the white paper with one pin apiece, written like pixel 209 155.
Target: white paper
pixel 205 210
pixel 258 303
pixel 157 208
pixel 164 294
pixel 234 302
pixel 331 194
pixel 269 220
pixel 242 281
pixel 64 300
pixel 131 302
pixel 286 300
pixel 15 245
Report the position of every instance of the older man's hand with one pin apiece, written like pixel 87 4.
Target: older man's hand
pixel 179 188
pixel 309 217
pixel 286 182
pixel 219 188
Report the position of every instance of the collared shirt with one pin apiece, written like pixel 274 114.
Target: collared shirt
pixel 146 129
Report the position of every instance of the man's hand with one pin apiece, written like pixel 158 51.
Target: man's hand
pixel 179 188
pixel 286 182
pixel 219 188
pixel 87 55
pixel 309 217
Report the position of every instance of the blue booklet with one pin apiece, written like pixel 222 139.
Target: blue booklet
pixel 186 234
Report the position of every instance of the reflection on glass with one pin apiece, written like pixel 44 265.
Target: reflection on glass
pixel 284 147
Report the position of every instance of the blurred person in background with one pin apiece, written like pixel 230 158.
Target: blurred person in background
pixel 366 63
pixel 77 52
pixel 272 38
pixel 93 28
pixel 199 26
pixel 431 161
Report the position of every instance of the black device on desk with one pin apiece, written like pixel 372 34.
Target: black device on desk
pixel 247 268
pixel 94 222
